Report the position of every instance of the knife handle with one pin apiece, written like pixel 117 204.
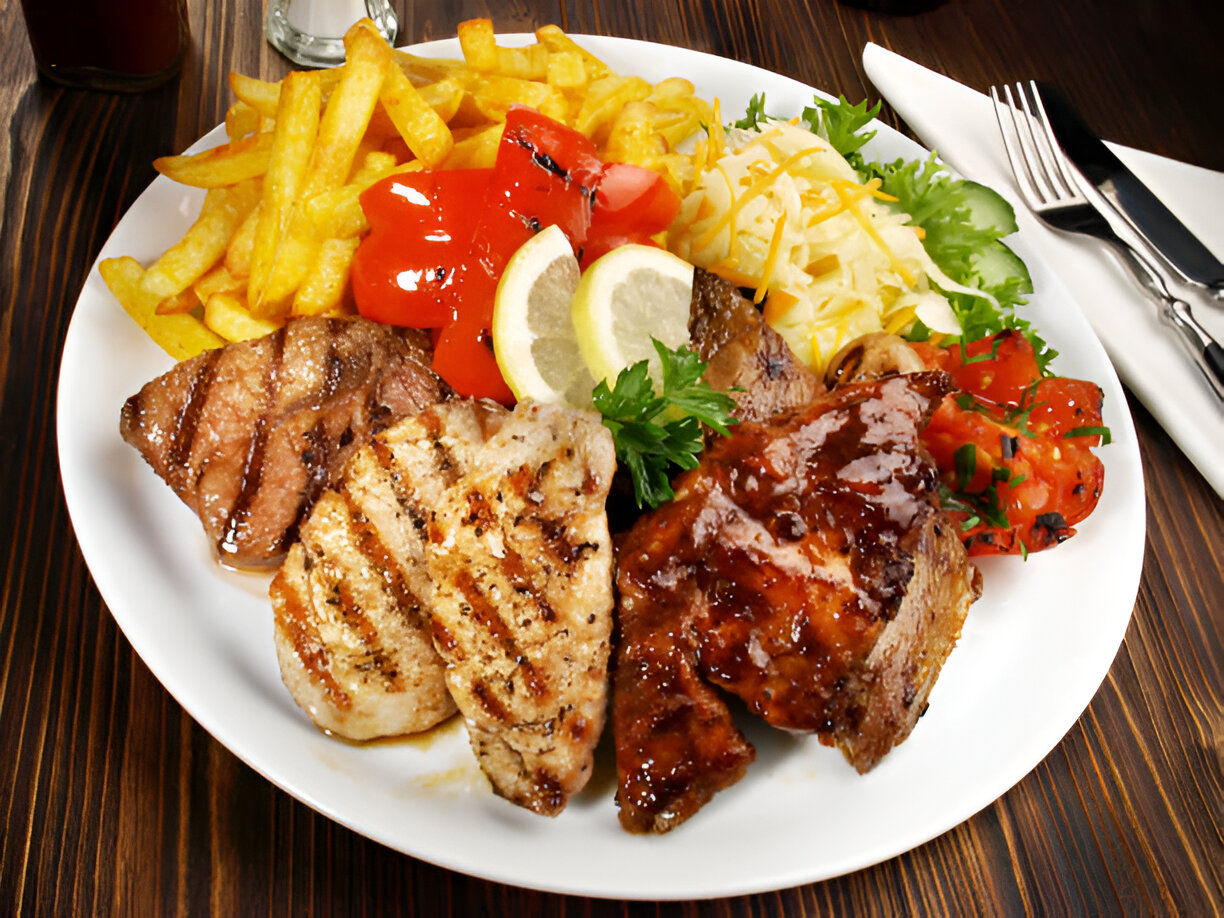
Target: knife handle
pixel 1207 353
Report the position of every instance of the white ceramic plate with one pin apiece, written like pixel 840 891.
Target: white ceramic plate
pixel 1034 651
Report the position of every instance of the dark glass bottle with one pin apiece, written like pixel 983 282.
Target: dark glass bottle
pixel 116 45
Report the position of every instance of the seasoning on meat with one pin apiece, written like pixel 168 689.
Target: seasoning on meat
pixel 481 532
pixel 250 435
pixel 744 356
pixel 803 566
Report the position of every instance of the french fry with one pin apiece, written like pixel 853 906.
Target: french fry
pixel 218 280
pixel 632 138
pixel 555 40
pixel 445 95
pixel 264 96
pixel 204 242
pixel 423 70
pixel 493 95
pixel 604 99
pixel 185 301
pixel 228 317
pixel 260 95
pixel 242 245
pixel 423 129
pixel 241 121
pixel 297 124
pixel 477 149
pixel 324 287
pixel 348 108
pixel 337 214
pixel 566 70
pixel 374 166
pixel 341 128
pixel 180 335
pixel 529 62
pixel 220 166
pixel 478 44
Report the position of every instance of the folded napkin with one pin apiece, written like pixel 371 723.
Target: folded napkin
pixel 959 124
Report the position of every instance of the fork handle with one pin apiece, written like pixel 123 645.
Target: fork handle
pixel 1207 353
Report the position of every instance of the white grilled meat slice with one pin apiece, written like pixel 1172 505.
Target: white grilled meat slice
pixel 486 530
pixel 352 635
pixel 521 562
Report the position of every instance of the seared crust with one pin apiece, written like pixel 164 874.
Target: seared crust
pixel 744 354
pixel 464 555
pixel 250 435
pixel 521 561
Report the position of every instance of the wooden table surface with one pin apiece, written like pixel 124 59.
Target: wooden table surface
pixel 115 802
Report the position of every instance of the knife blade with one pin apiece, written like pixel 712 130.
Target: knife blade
pixel 1145 212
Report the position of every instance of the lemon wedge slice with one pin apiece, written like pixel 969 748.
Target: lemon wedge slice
pixel 628 296
pixel 533 334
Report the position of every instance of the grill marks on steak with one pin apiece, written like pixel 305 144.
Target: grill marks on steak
pixel 249 435
pixel 479 535
pixel 803 566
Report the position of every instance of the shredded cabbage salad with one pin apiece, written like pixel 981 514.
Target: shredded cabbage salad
pixel 828 242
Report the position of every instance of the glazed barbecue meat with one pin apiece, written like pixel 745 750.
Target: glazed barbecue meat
pixel 742 352
pixel 805 567
pixel 463 555
pixel 249 435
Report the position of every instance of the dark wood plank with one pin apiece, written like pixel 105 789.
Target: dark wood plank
pixel 115 802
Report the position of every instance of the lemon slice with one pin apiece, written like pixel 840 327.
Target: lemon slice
pixel 632 294
pixel 533 334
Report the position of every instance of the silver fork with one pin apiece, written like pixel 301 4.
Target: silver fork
pixel 1048 184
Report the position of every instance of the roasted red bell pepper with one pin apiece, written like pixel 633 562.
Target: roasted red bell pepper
pixel 439 241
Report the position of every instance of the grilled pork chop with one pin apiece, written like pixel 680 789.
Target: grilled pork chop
pixel 249 435
pixel 803 566
pixel 485 531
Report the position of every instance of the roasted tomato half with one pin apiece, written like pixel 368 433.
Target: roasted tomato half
pixel 1014 448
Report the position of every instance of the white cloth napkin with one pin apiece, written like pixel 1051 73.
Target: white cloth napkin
pixel 959 124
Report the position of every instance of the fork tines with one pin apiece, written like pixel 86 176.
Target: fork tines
pixel 1032 150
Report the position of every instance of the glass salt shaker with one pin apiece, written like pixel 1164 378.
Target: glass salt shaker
pixel 311 32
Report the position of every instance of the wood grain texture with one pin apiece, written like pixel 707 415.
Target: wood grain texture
pixel 114 802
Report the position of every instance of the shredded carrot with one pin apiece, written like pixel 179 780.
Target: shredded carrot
pixel 759 186
pixel 900 320
pixel 850 198
pixel 775 246
pixel 778 304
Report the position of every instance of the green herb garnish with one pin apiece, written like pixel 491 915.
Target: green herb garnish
pixel 841 124
pixel 655 432
pixel 754 115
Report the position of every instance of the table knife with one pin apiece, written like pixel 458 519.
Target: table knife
pixel 1142 211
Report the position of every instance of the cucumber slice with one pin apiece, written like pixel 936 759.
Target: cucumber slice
pixel 988 210
pixel 996 265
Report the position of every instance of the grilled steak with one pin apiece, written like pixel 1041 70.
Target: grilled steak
pixel 249 435
pixel 803 566
pixel 741 351
pixel 485 531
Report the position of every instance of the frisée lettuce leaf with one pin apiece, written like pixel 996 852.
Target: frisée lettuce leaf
pixel 963 222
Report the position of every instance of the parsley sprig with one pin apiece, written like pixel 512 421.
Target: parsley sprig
pixel 655 432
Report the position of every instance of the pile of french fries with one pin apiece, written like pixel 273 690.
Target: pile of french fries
pixel 282 218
